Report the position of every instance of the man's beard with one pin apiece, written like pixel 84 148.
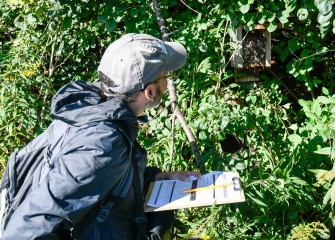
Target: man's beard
pixel 153 103
pixel 156 101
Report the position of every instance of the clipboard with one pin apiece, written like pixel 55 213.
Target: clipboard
pixel 214 188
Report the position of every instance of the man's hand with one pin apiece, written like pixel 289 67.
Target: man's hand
pixel 177 175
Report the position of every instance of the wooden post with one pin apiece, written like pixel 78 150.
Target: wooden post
pixel 238 53
pixel 267 35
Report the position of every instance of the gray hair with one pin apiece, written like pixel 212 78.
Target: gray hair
pixel 106 82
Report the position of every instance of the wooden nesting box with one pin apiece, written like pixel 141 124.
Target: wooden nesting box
pixel 253 53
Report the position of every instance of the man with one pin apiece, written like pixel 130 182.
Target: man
pixel 93 146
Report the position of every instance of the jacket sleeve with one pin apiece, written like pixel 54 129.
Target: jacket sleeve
pixel 92 162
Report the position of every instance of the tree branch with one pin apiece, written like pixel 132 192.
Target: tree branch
pixel 175 108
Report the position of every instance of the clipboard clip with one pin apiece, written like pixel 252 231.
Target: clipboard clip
pixel 237 183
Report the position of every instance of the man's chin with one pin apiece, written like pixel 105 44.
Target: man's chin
pixel 152 104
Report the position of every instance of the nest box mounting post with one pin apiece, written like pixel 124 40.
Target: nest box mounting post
pixel 253 53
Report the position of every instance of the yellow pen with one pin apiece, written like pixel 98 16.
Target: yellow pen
pixel 205 188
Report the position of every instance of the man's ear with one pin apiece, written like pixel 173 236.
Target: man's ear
pixel 150 91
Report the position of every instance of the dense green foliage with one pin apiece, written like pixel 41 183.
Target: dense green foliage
pixel 278 133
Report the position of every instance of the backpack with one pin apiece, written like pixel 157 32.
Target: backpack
pixel 27 167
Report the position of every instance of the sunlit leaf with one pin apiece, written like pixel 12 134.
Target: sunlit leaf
pixel 295 139
pixel 302 14
pixel 257 201
pixel 245 8
pixel 325 151
pixel 272 27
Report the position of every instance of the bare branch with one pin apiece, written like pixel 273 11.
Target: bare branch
pixel 189 7
pixel 160 20
pixel 175 108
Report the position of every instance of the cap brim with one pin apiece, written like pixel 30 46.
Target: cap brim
pixel 177 54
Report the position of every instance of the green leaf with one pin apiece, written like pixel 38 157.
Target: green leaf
pixel 67 23
pixel 166 132
pixel 31 19
pixel 294 44
pixel 110 25
pixel 240 166
pixel 295 139
pixel 257 201
pixel 326 198
pixel 298 181
pixel 133 12
pixel 232 34
pixel 324 151
pixel 316 45
pixel 290 5
pixel 294 127
pixel 253 99
pixel 272 27
pixel 203 47
pixel 245 8
pixel 60 49
pixel 323 100
pixel 204 66
pixel 274 6
pixel 316 109
pixel 283 16
pixel 310 115
pixel 325 91
pixel 102 19
pixel 224 122
pixel 202 136
pixel 305 53
pixel 322 19
pixel 324 6
pixel 203 26
pixel 20 25
pixel 271 18
pixel 287 105
pixel 302 14
pixel 332 196
pixel 292 215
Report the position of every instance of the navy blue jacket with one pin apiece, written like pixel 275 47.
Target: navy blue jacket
pixel 92 161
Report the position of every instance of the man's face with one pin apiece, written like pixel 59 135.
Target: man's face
pixel 160 87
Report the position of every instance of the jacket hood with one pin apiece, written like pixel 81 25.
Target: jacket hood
pixel 80 103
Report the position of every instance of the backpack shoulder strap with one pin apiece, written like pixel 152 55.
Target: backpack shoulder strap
pixel 140 218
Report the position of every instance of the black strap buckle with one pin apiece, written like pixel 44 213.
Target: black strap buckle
pixel 141 223
pixel 141 220
pixel 103 214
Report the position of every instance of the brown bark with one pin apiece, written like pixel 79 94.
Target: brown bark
pixel 174 106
